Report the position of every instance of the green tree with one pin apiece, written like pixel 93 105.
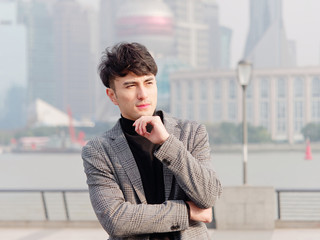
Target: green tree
pixel 311 131
pixel 223 133
pixel 230 133
pixel 257 134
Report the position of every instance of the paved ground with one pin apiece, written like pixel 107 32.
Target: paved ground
pixel 99 234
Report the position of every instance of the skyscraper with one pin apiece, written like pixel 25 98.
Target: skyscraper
pixel 267 45
pixel 13 64
pixel 37 18
pixel 73 59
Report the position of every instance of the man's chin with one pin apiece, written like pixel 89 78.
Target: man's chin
pixel 145 113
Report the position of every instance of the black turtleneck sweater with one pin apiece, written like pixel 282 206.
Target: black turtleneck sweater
pixel 149 166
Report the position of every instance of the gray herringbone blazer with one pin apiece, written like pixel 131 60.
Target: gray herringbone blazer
pixel 116 189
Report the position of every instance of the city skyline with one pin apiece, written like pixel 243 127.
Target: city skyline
pixel 300 20
pixel 192 43
pixel 296 14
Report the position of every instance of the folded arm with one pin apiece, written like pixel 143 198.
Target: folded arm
pixel 192 167
pixel 119 217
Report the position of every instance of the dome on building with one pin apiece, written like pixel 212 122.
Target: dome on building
pixel 147 22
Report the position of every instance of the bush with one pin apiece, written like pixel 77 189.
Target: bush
pixel 230 133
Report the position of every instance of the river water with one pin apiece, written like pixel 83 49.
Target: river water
pixel 280 169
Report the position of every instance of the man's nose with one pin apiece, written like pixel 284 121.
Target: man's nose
pixel 142 93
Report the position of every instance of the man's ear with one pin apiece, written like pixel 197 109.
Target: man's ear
pixel 112 95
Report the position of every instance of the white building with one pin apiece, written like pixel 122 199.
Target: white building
pixel 281 100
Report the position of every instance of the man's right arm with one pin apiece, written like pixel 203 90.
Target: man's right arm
pixel 199 214
pixel 117 215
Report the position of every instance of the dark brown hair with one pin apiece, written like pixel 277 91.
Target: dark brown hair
pixel 124 58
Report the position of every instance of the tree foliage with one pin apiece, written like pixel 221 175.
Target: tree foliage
pixel 230 133
pixel 311 131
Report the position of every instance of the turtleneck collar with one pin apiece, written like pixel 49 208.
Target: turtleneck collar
pixel 126 125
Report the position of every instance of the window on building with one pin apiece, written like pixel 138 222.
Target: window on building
pixel 264 114
pixel 281 88
pixel 190 91
pixel 298 116
pixel 203 90
pixel 316 87
pixel 178 91
pixel 264 88
pixel 232 89
pixel 250 112
pixel 203 112
pixel 232 111
pixel 298 87
pixel 217 89
pixel 281 117
pixel 315 98
pixel 316 109
pixel 249 90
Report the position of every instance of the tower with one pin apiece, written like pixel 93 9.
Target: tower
pixel 267 45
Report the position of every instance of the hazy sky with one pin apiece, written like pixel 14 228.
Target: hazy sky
pixel 301 21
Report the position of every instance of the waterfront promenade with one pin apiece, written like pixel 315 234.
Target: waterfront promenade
pixel 97 233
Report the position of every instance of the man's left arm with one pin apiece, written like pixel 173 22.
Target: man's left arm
pixel 192 169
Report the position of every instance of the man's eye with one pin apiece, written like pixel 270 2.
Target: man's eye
pixel 130 86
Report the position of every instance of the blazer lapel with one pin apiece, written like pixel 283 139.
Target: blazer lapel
pixel 127 161
pixel 171 126
pixel 129 165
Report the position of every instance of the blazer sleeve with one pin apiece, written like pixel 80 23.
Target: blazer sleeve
pixel 119 217
pixel 190 162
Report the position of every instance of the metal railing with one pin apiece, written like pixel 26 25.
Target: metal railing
pixel 298 204
pixel 45 204
pixel 74 205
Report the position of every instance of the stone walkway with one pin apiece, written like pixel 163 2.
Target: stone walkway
pixel 99 234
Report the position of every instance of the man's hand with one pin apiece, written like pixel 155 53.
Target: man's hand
pixel 199 214
pixel 158 134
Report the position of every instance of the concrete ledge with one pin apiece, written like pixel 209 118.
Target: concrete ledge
pixel 297 224
pixel 50 224
pixel 246 208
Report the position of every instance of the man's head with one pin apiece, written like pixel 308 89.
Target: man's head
pixel 124 58
pixel 128 71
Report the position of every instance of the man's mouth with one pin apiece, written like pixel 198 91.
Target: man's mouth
pixel 143 106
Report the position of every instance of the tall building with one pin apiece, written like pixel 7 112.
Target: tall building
pixel 36 15
pixel 196 32
pixel 13 51
pixel 267 45
pixel 73 59
pixel 225 43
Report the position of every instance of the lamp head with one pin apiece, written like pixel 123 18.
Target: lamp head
pixel 244 71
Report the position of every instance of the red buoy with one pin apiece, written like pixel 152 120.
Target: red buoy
pixel 308 151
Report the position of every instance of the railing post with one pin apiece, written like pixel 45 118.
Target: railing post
pixel 44 205
pixel 279 207
pixel 65 205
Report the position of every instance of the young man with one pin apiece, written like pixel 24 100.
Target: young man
pixel 150 176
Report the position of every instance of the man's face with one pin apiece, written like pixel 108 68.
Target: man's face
pixel 135 95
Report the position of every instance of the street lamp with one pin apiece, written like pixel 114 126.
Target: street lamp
pixel 244 75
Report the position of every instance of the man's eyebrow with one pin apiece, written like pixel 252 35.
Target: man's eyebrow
pixel 149 78
pixel 129 83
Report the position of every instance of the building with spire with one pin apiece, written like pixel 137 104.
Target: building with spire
pixel 267 45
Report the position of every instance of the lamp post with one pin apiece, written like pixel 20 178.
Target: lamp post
pixel 244 75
